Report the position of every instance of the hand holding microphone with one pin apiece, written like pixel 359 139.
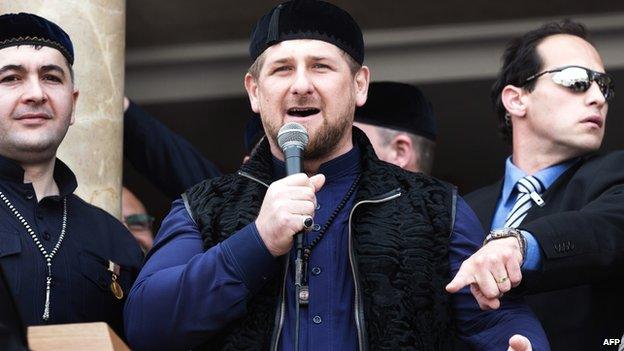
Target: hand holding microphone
pixel 288 201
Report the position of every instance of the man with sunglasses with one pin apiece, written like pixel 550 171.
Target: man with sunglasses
pixel 136 219
pixel 557 216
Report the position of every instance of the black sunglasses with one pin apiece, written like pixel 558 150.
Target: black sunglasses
pixel 139 221
pixel 579 79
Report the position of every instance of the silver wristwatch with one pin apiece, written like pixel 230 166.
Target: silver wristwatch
pixel 502 233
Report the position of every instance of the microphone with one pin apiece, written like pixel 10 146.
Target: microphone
pixel 292 138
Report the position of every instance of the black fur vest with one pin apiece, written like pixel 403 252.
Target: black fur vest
pixel 400 247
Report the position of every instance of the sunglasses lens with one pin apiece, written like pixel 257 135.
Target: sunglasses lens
pixel 580 86
pixel 139 221
pixel 575 78
pixel 580 79
pixel 606 85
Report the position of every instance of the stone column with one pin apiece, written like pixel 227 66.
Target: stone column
pixel 93 146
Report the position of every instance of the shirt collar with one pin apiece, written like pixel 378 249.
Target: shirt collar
pixel 547 175
pixel 348 163
pixel 65 179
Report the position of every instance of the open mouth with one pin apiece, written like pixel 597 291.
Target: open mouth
pixel 303 111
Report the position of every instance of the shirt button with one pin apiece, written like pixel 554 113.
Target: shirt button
pixel 318 206
pixel 316 227
pixel 29 195
pixel 317 319
pixel 316 270
pixel 46 235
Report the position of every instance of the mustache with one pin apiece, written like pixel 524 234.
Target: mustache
pixel 32 111
pixel 302 101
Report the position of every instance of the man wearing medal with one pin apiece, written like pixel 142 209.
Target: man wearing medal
pixel 66 261
pixel 376 257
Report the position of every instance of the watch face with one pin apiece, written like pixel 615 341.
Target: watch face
pixel 504 232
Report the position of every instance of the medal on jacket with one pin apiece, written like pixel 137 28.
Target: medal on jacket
pixel 114 286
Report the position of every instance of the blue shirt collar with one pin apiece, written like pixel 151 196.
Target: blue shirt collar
pixel 339 167
pixel 547 176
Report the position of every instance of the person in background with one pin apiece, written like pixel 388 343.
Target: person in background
pixel 137 220
pixel 399 121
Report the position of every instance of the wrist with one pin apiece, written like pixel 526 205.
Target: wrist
pixel 503 233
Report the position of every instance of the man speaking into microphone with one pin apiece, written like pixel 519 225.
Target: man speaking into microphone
pixel 378 241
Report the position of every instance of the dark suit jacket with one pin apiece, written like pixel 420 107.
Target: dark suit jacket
pixel 577 294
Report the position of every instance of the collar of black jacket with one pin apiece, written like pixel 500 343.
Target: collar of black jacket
pixel 65 179
pixel 260 165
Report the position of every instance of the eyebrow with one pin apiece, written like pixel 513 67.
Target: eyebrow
pixel 288 59
pixel 53 68
pixel 281 61
pixel 319 58
pixel 18 68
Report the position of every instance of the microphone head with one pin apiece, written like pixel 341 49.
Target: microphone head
pixel 292 134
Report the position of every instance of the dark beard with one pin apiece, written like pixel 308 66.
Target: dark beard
pixel 325 140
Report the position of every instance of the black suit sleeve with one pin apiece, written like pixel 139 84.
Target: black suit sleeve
pixel 583 244
pixel 169 161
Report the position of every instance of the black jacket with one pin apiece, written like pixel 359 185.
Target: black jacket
pixel 401 223
pixel 580 230
pixel 81 280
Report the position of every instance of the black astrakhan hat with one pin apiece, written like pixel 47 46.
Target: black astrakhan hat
pixel 308 19
pixel 28 29
pixel 398 106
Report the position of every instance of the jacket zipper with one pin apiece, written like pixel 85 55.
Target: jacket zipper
pixel 281 306
pixel 359 318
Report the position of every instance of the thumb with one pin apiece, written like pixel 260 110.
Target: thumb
pixel 519 343
pixel 317 180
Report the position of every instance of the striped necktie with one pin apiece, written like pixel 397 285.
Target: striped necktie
pixel 529 190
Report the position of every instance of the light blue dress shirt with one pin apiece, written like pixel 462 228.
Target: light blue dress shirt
pixel 508 197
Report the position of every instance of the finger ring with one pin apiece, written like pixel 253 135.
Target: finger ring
pixel 308 223
pixel 501 280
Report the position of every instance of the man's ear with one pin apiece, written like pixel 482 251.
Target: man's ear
pixel 512 98
pixel 362 78
pixel 251 85
pixel 75 95
pixel 402 150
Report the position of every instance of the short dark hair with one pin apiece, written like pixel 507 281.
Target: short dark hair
pixel 521 60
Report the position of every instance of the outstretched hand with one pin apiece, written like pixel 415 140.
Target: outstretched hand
pixel 490 272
